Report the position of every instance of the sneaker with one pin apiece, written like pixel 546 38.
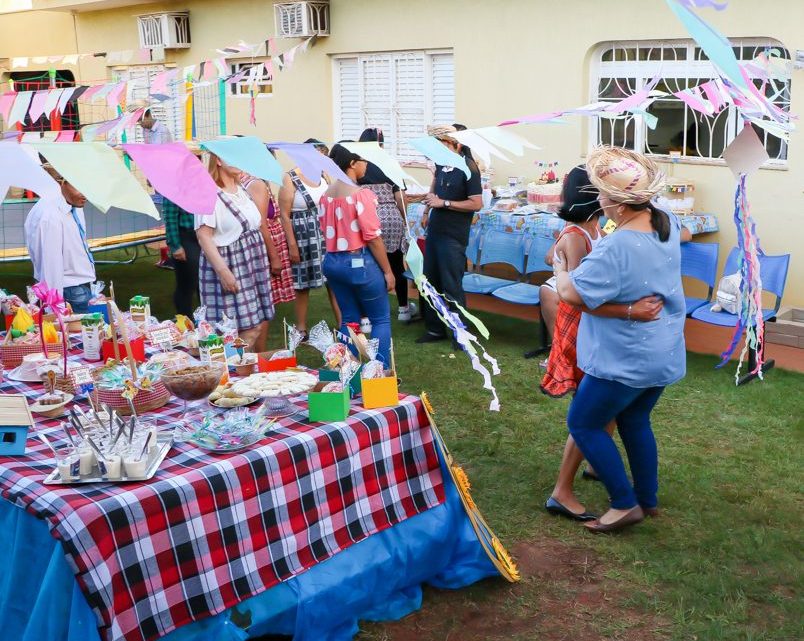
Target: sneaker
pixel 407 312
pixel 365 326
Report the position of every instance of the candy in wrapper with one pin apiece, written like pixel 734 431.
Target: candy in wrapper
pixel 97 292
pixel 295 338
pixel 374 368
pixel 183 323
pixel 227 328
pixel 335 354
pixel 33 299
pixel 49 333
pixel 22 320
pixel 349 368
pixel 333 387
pixel 203 326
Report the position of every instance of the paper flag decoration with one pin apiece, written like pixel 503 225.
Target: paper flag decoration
pixel 311 162
pixel 98 172
pixel 19 169
pixel 439 153
pixel 20 108
pixel 389 165
pixel 746 153
pixel 479 145
pixel 177 174
pixel 249 154
pixel 714 44
pixel 506 139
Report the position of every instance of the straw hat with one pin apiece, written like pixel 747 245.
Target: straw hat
pixel 442 132
pixel 624 176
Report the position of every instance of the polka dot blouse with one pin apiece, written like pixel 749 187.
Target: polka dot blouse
pixel 349 223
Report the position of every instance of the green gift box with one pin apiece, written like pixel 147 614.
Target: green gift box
pixel 328 407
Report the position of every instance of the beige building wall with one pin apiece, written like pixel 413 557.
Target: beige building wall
pixel 512 57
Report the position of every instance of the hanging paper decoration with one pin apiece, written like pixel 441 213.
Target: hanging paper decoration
pixel 453 320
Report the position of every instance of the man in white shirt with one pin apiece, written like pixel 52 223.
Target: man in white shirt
pixel 55 233
pixel 153 131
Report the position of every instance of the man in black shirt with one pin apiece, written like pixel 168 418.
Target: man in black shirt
pixel 452 202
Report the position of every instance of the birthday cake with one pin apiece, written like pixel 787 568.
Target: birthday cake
pixel 545 195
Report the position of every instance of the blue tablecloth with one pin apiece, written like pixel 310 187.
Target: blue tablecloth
pixel 379 578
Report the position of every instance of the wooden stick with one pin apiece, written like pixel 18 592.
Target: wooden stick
pixel 132 364
pixel 113 327
pixel 393 359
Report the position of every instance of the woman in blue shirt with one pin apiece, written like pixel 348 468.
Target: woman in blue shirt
pixel 627 364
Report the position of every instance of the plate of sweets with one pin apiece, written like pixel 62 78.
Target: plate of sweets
pixel 225 397
pixel 230 432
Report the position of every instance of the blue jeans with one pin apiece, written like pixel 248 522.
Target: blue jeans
pixel 78 296
pixel 359 287
pixel 444 266
pixel 596 403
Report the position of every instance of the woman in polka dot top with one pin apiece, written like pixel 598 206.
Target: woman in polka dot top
pixel 356 263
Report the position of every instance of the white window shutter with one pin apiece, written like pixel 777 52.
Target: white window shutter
pixel 378 94
pixel 349 117
pixel 443 83
pixel 410 101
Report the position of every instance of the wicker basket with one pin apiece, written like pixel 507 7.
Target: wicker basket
pixel 11 354
pixel 144 401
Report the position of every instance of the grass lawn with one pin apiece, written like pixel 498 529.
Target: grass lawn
pixel 722 562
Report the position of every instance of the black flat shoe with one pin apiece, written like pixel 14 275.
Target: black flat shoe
pixel 555 508
pixel 430 338
pixel 590 476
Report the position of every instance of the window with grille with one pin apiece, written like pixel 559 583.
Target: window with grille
pixel 399 93
pixel 620 69
pixel 138 90
pixel 264 82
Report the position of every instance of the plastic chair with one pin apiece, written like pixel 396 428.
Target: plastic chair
pixel 497 247
pixel 699 261
pixel 525 293
pixel 773 270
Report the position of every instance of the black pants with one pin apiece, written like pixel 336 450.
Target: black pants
pixel 444 266
pixel 187 274
pixel 398 268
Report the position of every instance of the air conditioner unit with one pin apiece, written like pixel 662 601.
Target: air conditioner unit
pixel 168 30
pixel 301 19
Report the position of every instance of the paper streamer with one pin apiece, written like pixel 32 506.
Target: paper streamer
pixel 454 322
pixel 84 163
pixel 19 169
pixel 389 165
pixel 249 154
pixel 506 139
pixel 177 174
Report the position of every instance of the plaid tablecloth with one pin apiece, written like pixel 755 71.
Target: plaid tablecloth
pixel 210 531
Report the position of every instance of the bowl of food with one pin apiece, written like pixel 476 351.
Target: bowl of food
pixel 193 382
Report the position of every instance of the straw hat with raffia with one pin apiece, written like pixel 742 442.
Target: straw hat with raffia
pixel 624 176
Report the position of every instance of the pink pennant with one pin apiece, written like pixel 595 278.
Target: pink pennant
pixel 90 92
pixel 693 102
pixel 269 68
pixel 52 101
pixel 210 71
pixel 37 108
pixel 116 94
pixel 64 99
pixel 712 92
pixel 272 46
pixel 636 99
pixel 533 118
pixel 67 135
pixel 176 174
pixel 6 102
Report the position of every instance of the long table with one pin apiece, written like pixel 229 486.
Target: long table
pixel 317 527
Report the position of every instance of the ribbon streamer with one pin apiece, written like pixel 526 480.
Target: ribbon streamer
pixel 51 298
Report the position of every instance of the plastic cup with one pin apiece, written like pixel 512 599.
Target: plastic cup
pixel 68 464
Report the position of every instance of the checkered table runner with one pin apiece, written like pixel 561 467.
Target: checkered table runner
pixel 210 531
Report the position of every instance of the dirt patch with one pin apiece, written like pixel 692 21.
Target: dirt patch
pixel 563 595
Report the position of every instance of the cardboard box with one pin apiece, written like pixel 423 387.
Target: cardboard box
pixel 329 375
pixel 265 364
pixel 137 347
pixel 380 392
pixel 328 407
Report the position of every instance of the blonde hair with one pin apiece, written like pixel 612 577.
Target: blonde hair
pixel 214 168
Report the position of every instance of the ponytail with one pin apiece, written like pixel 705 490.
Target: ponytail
pixel 660 222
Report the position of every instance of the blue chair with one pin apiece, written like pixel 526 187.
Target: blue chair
pixel 497 247
pixel 473 247
pixel 699 261
pixel 525 293
pixel 773 271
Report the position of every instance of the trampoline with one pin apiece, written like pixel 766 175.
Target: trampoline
pixel 116 230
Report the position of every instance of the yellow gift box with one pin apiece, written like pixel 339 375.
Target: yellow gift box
pixel 380 392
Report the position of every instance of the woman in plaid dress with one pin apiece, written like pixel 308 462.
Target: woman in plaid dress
pixel 298 205
pixel 581 210
pixel 282 289
pixel 234 268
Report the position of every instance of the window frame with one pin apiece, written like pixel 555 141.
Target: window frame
pixel 392 141
pixel 695 66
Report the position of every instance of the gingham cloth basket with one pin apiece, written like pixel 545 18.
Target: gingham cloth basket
pixel 144 401
pixel 11 354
